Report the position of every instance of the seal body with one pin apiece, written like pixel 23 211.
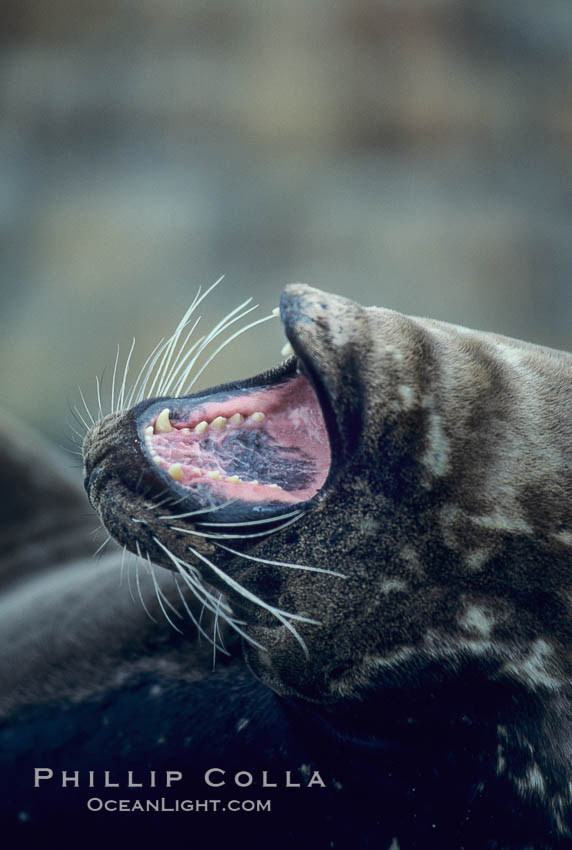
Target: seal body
pixel 395 558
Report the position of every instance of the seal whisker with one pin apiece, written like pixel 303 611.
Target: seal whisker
pixel 145 373
pixel 166 599
pixel 173 339
pixel 160 596
pixel 192 578
pixel 121 395
pixel 79 416
pixel 88 411
pixel 97 530
pixel 182 567
pixel 182 356
pixel 99 404
pixel 102 547
pixel 216 631
pixel 154 370
pixel 192 617
pixel 199 511
pixel 129 587
pixel 168 349
pixel 80 436
pixel 113 377
pixel 277 612
pixel 122 568
pixel 225 343
pixel 238 524
pixel 183 353
pixel 78 453
pixel 139 585
pixel 163 498
pixel 211 536
pixel 280 563
pixel 219 328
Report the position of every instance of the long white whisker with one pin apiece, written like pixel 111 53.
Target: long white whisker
pixel 192 579
pixel 139 586
pixel 277 612
pixel 166 599
pixel 180 359
pixel 103 545
pixel 211 536
pixel 129 581
pixel 226 342
pixel 145 373
pixel 183 567
pixel 218 631
pixel 192 617
pixel 122 572
pixel 113 381
pixel 86 407
pixel 80 417
pixel 159 595
pixel 220 327
pixel 172 341
pixel 99 404
pixel 194 584
pixel 170 347
pixel 121 398
pixel 280 563
pixel 215 631
pixel 76 432
pixel 72 451
pixel 199 511
pixel 249 522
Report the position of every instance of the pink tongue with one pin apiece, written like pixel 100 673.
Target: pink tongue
pixel 283 455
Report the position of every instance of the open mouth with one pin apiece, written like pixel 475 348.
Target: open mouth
pixel 243 451
pixel 265 443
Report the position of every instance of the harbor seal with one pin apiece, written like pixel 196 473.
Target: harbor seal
pixel 385 522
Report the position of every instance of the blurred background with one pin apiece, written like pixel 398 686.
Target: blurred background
pixel 415 154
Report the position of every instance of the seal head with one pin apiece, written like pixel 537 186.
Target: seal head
pixel 402 519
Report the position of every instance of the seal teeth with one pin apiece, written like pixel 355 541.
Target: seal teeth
pixel 287 350
pixel 234 479
pixel 176 471
pixel 258 416
pixel 236 419
pixel 148 432
pixel 163 423
pixel 201 427
pixel 219 422
pixel 214 474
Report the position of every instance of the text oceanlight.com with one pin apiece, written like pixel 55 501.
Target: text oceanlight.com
pixel 96 804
